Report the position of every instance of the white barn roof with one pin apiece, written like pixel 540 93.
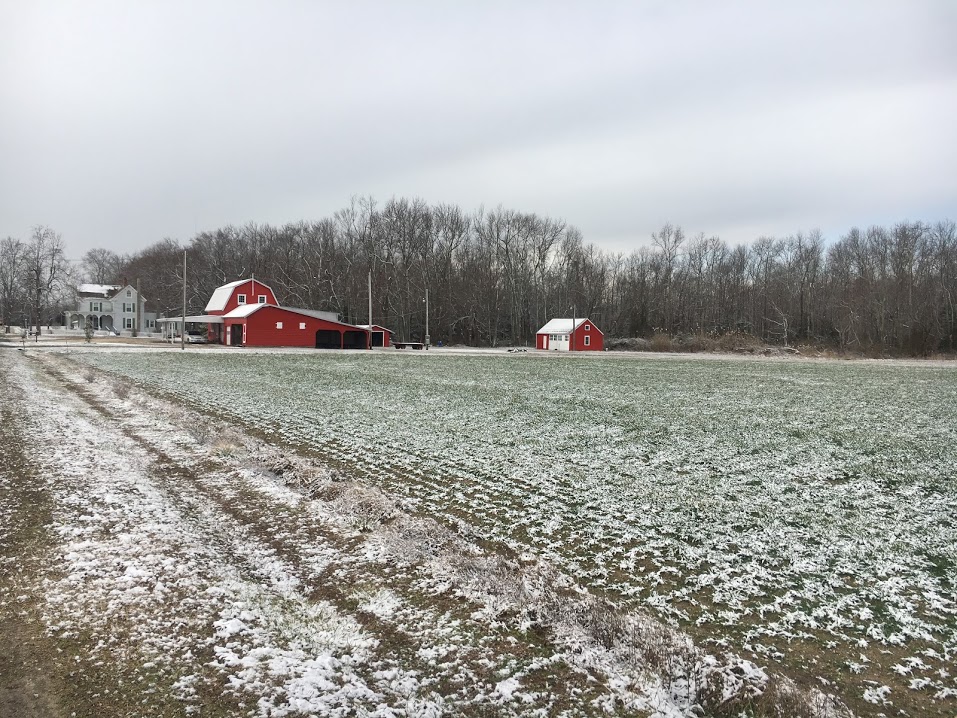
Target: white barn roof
pixel 562 326
pixel 244 310
pixel 221 295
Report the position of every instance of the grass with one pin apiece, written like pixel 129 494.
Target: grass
pixel 773 505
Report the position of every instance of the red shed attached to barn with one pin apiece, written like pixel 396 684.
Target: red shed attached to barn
pixel 266 325
pixel 379 335
pixel 576 335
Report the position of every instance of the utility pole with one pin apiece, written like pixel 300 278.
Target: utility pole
pixel 370 309
pixel 182 333
pixel 426 318
pixel 572 335
pixel 136 315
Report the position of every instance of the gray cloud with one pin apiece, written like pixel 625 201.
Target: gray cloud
pixel 124 123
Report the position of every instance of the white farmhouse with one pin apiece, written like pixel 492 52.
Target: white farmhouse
pixel 110 307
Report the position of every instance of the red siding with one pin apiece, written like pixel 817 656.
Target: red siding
pixel 386 334
pixel 261 328
pixel 251 297
pixel 596 341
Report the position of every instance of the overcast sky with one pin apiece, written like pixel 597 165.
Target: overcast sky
pixel 122 123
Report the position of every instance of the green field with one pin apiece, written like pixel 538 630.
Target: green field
pixel 798 512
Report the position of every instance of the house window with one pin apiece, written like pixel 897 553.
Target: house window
pixel 241 299
pixel 128 323
pixel 262 299
pixel 150 323
pixel 128 307
pixel 302 325
pixel 95 306
pixel 587 341
pixel 588 327
pixel 129 293
pixel 278 325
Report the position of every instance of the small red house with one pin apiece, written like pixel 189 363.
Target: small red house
pixel 576 335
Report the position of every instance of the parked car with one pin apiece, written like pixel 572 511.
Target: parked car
pixel 196 337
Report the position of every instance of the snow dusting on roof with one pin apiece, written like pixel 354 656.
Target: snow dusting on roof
pixel 217 302
pixel 104 290
pixel 561 326
pixel 244 310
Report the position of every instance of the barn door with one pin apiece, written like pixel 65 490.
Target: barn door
pixel 236 335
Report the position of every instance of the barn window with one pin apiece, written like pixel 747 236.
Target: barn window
pixel 262 299
pixel 587 341
pixel 302 325
pixel 278 325
pixel 241 299
pixel 588 327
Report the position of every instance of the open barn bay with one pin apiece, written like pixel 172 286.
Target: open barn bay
pixel 801 513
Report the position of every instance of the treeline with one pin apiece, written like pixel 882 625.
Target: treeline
pixel 495 276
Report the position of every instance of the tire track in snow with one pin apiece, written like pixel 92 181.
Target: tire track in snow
pixel 271 542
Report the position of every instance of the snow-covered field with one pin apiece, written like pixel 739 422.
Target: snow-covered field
pixel 799 513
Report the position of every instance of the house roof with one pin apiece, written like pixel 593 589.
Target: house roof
pixel 100 290
pixel 217 302
pixel 564 325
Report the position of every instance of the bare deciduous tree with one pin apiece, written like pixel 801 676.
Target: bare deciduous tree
pixel 46 270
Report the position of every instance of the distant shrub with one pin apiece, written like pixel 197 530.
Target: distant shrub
pixel 737 341
pixel 661 342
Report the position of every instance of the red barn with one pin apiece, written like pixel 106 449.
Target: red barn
pixel 266 325
pixel 246 313
pixel 577 335
pixel 235 294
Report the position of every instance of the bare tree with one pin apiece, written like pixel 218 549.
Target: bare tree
pixel 12 258
pixel 102 266
pixel 46 269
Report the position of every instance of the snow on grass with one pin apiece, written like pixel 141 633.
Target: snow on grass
pixel 143 579
pixel 779 506
pixel 210 565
